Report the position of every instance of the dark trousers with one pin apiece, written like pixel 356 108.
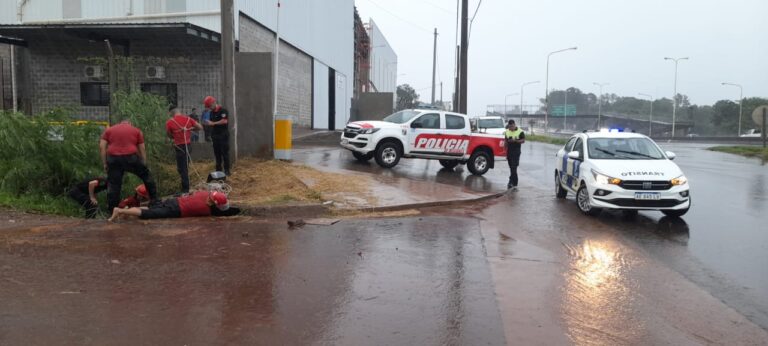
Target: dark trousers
pixel 513 159
pixel 221 151
pixel 84 200
pixel 116 167
pixel 182 165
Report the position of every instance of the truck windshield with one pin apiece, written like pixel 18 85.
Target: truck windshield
pixel 401 117
pixel 490 124
pixel 623 149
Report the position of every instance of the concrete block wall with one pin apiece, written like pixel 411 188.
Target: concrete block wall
pixel 295 70
pixel 5 76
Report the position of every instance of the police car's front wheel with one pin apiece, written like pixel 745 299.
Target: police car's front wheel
pixel 388 154
pixel 582 201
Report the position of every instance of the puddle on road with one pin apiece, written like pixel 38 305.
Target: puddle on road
pixel 598 307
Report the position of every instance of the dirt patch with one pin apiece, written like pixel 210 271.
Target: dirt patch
pixel 257 182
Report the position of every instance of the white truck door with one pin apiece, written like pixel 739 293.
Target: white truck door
pixel 423 134
pixel 455 134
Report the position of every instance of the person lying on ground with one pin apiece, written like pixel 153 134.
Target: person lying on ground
pixel 140 196
pixel 200 203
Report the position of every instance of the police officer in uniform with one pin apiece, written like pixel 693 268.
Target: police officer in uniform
pixel 219 122
pixel 514 138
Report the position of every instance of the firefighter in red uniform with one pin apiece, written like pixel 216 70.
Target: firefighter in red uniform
pixel 180 128
pixel 199 203
pixel 139 197
pixel 122 150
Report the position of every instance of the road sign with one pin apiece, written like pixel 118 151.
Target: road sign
pixel 757 115
pixel 560 110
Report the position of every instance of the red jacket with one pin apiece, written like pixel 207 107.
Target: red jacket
pixel 195 204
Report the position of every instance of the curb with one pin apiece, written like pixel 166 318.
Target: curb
pixel 318 210
pixel 421 205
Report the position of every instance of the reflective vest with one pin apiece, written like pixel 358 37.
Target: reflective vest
pixel 513 134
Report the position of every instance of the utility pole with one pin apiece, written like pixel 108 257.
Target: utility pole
pixel 741 100
pixel 112 72
pixel 228 65
pixel 600 105
pixel 441 95
pixel 674 98
pixel 434 66
pixel 463 59
pixel 456 83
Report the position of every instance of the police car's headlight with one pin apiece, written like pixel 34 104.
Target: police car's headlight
pixel 369 131
pixel 603 179
pixel 681 180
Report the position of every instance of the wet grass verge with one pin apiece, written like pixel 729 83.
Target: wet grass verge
pixel 56 205
pixel 546 139
pixel 748 151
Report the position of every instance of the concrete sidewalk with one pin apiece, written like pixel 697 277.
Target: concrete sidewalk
pixel 413 183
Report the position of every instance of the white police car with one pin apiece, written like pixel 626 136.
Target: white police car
pixel 618 170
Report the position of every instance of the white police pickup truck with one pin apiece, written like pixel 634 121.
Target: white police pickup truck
pixel 625 171
pixel 426 134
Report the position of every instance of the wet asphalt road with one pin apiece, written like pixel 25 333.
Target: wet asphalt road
pixel 721 244
pixel 418 281
pixel 523 269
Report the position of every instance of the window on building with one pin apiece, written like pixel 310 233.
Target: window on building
pixel 167 90
pixel 94 94
pixel 454 122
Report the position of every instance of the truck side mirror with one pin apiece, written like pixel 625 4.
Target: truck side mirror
pixel 671 155
pixel 574 155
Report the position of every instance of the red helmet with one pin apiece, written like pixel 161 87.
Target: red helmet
pixel 209 101
pixel 141 190
pixel 220 200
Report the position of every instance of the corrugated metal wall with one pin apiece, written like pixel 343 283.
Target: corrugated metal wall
pixel 383 61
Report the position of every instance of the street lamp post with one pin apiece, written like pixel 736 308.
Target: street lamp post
pixel 650 117
pixel 741 100
pixel 674 98
pixel 505 104
pixel 521 98
pixel 546 89
pixel 600 105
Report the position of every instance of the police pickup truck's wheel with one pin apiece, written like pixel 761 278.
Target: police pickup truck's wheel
pixel 679 212
pixel 449 164
pixel 388 154
pixel 362 157
pixel 560 192
pixel 479 162
pixel 582 201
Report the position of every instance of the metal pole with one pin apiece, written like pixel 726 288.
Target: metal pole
pixel 765 117
pixel 565 109
pixel 464 56
pixel 674 105
pixel 600 105
pixel 14 88
pixel 674 101
pixel 741 101
pixel 546 98
pixel 434 66
pixel 112 71
pixel 277 69
pixel 521 98
pixel 546 89
pixel 650 117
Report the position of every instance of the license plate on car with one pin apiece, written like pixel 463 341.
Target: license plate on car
pixel 344 141
pixel 647 196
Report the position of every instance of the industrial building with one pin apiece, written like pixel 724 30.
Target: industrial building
pixel 176 44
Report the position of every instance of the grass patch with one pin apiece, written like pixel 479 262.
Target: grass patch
pixel 57 205
pixel 748 151
pixel 546 139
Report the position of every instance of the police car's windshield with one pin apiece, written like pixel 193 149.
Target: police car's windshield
pixel 623 149
pixel 401 117
pixel 490 123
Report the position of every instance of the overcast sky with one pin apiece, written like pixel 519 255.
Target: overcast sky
pixel 621 42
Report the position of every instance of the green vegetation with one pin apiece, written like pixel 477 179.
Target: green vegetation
pixel 43 156
pixel 748 151
pixel 546 139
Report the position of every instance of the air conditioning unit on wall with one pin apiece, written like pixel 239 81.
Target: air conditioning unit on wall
pixel 155 72
pixel 93 71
